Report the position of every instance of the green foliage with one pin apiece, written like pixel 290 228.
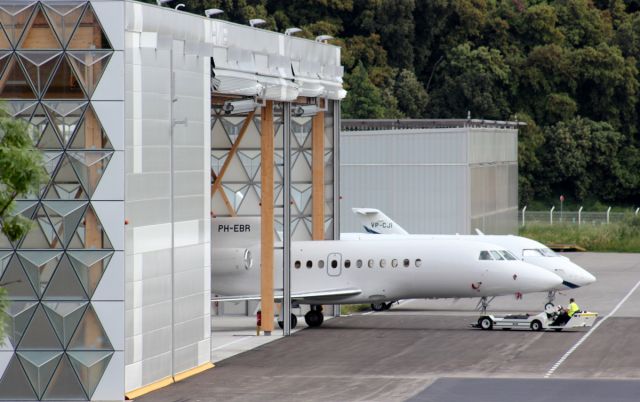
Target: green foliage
pixel 473 79
pixel 365 99
pixel 565 66
pixel 346 309
pixel 615 237
pixel 21 174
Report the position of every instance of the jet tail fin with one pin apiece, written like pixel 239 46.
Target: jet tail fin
pixel 375 222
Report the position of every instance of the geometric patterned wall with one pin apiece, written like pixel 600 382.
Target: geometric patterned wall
pixel 52 58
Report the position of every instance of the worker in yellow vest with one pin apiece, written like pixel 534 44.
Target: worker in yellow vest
pixel 567 313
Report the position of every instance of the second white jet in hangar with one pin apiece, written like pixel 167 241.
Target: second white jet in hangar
pixel 375 223
pixel 376 271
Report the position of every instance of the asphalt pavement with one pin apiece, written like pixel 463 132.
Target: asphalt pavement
pixel 425 350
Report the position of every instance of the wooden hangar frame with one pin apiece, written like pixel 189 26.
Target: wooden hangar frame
pixel 255 166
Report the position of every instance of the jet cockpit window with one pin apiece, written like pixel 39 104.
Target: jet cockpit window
pixel 485 255
pixel 496 255
pixel 507 255
pixel 547 252
pixel 532 252
pixel 309 264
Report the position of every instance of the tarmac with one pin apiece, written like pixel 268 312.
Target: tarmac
pixel 425 350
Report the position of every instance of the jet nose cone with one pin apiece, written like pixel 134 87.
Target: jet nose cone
pixel 548 280
pixel 580 275
pixel 588 279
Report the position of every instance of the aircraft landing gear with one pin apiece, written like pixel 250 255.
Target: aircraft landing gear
pixel 549 307
pixel 381 306
pixel 294 322
pixel 314 317
pixel 483 304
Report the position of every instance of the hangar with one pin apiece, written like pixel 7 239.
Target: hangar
pixel 151 121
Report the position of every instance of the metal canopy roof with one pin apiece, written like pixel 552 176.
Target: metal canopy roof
pixel 246 61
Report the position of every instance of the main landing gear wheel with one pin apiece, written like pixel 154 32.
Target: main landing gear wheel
pixel 314 318
pixel 294 322
pixel 380 306
pixel 485 323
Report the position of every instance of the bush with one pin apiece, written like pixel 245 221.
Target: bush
pixel 615 237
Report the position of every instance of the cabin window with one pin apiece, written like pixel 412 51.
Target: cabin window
pixel 297 264
pixel 347 263
pixel 418 263
pixel 370 263
pixel 406 263
pixel 496 255
pixel 484 255
pixel 359 263
pixel 507 255
pixel 383 262
pixel 334 263
pixel 309 264
pixel 394 263
pixel 320 264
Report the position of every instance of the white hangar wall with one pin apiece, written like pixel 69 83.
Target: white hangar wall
pixel 442 177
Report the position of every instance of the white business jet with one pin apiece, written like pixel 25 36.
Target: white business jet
pixel 376 223
pixel 375 271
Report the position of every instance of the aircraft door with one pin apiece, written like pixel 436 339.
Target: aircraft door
pixel 334 264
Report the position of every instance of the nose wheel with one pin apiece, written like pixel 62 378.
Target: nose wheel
pixel 549 307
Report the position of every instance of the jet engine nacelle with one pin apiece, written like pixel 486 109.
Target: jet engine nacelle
pixel 232 260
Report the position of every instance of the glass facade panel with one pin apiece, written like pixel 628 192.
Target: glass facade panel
pixel 50 278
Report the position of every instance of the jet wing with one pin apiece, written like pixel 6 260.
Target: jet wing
pixel 316 294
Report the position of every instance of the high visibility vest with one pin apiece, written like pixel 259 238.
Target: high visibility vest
pixel 573 308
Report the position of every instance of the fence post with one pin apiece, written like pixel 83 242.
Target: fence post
pixel 525 208
pixel 551 215
pixel 608 212
pixel 580 216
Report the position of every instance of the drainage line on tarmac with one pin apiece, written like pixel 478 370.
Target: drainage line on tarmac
pixel 584 338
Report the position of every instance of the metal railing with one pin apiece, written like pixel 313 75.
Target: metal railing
pixel 407 124
pixel 579 217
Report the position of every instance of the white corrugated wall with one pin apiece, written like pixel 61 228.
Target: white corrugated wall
pixel 445 180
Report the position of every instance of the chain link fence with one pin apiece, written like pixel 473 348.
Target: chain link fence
pixel 580 217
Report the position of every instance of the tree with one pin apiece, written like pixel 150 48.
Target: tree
pixel 365 100
pixel 579 159
pixel 21 174
pixel 411 95
pixel 475 80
